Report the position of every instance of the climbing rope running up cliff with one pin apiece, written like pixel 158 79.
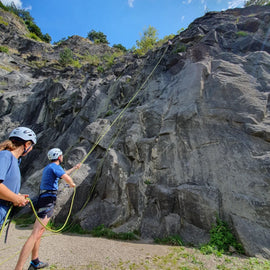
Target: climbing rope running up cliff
pixel 99 139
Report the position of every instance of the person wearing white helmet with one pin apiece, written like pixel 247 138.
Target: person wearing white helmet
pixel 46 203
pixel 19 144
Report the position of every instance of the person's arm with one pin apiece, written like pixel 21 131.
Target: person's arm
pixel 68 172
pixel 8 195
pixel 68 180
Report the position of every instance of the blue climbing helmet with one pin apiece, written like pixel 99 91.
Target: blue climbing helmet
pixel 23 133
pixel 54 154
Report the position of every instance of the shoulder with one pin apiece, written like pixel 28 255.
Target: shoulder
pixel 6 155
pixel 57 169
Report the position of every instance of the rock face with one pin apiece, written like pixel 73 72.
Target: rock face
pixel 192 144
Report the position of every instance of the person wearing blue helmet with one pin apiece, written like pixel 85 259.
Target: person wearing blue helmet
pixel 52 173
pixel 19 144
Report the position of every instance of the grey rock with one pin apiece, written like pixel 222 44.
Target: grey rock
pixel 191 145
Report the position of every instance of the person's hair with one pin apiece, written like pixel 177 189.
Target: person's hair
pixel 10 145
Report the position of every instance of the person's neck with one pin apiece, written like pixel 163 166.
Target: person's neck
pixel 17 152
pixel 57 162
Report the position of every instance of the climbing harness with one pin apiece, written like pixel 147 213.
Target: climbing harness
pixel 101 136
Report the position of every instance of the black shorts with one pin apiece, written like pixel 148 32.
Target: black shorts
pixel 45 205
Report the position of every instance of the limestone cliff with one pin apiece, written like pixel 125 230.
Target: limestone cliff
pixel 193 144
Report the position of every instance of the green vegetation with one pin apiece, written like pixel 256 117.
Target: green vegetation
pixel 97 37
pixel 148 182
pixel 28 20
pixel 101 231
pixel 148 40
pixel 100 69
pixel 174 240
pixel 33 36
pixel 3 6
pixel 4 49
pixel 2 21
pixel 181 48
pixel 221 240
pixel 6 68
pixel 242 34
pixel 178 257
pixel 67 58
pixel 257 2
pixel 109 58
pixel 160 42
pixel 91 59
pixel 120 47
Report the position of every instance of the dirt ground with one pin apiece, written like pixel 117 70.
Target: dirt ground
pixel 84 252
pixel 69 251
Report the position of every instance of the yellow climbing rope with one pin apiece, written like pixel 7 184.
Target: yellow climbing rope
pixel 6 218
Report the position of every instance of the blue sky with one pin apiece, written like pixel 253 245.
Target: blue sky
pixel 122 21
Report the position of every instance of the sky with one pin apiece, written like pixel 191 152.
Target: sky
pixel 122 21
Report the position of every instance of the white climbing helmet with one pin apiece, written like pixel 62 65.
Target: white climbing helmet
pixel 23 133
pixel 54 154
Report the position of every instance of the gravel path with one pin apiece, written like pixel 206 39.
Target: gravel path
pixel 69 251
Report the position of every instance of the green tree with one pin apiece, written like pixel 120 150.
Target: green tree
pixel 47 38
pixel 120 47
pixel 148 40
pixel 3 6
pixel 97 37
pixel 29 21
pixel 257 2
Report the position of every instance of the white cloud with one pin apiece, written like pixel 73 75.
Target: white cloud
pixel 130 3
pixel 17 3
pixel 187 2
pixel 236 3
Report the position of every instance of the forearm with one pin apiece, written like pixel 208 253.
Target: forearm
pixel 76 167
pixel 68 180
pixel 70 171
pixel 7 195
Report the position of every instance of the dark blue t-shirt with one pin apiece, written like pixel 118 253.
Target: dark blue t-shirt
pixel 50 176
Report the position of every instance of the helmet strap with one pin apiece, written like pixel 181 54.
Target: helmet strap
pixel 26 150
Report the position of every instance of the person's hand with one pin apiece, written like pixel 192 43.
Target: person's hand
pixel 21 200
pixel 77 166
pixel 72 185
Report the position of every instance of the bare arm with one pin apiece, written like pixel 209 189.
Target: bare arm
pixel 8 195
pixel 77 166
pixel 68 180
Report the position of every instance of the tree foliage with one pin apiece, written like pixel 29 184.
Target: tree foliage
pixel 28 20
pixel 97 37
pixel 257 2
pixel 3 6
pixel 120 47
pixel 148 40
